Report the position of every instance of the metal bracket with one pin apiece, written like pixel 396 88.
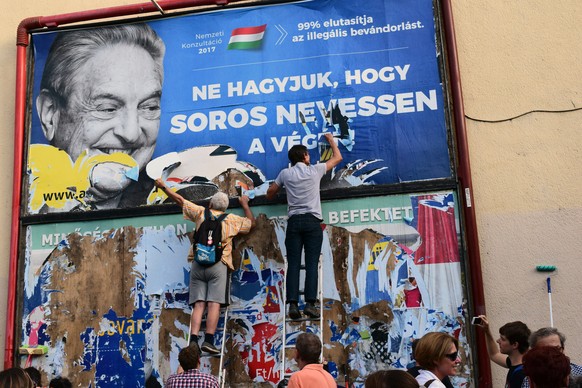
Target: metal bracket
pixel 158 7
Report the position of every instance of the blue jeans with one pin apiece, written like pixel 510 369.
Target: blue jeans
pixel 303 231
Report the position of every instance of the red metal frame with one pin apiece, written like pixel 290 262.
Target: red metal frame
pixel 466 185
pixel 464 168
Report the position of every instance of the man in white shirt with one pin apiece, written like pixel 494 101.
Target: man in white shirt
pixel 302 182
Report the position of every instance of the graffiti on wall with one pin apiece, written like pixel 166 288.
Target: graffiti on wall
pixel 111 303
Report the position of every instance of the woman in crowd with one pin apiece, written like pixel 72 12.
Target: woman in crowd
pixel 391 379
pixel 437 354
pixel 15 378
pixel 546 367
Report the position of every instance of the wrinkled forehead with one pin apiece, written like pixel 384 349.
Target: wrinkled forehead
pixel 117 54
pixel 106 61
pixel 551 340
pixel 116 71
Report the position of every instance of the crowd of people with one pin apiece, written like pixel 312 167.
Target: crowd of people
pixel 534 360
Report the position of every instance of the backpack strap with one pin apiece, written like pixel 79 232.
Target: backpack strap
pixel 209 216
pixel 428 383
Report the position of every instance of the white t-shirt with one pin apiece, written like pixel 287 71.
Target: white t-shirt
pixel 302 185
pixel 425 376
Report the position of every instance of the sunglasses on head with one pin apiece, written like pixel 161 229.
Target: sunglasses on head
pixel 452 356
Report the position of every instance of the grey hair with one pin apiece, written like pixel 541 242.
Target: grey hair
pixel 72 49
pixel 219 201
pixel 546 332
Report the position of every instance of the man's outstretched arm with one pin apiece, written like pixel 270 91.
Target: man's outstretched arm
pixel 174 196
pixel 337 155
pixel 272 191
pixel 492 348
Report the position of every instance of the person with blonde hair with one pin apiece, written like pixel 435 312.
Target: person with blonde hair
pixel 437 354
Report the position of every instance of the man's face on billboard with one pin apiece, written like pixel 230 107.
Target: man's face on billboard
pixel 114 106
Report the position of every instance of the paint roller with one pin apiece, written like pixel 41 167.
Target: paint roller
pixel 36 350
pixel 548 268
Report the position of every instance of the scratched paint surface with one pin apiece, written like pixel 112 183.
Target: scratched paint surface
pixel 113 307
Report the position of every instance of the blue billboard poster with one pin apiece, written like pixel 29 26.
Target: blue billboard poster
pixel 214 100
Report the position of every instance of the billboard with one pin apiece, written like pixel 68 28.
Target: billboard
pixel 216 99
pixel 109 298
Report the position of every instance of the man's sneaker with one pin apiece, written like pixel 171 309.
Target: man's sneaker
pixel 311 311
pixel 193 341
pixel 210 348
pixel 294 312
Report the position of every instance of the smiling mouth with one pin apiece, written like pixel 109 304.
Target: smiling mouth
pixel 109 151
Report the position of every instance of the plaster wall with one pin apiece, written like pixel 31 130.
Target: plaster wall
pixel 526 177
pixel 525 171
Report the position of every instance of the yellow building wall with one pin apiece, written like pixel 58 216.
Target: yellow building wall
pixel 527 177
pixel 518 57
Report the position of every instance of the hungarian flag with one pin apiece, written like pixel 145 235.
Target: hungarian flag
pixel 246 37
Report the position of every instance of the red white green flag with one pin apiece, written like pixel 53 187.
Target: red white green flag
pixel 246 37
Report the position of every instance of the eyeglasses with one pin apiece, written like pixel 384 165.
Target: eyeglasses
pixel 453 356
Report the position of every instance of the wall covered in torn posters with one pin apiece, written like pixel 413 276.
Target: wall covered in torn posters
pixel 109 298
